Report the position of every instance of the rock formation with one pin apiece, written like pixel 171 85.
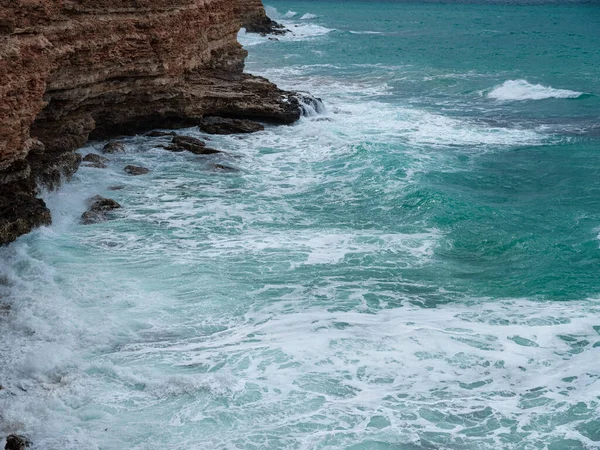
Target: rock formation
pixel 255 20
pixel 72 70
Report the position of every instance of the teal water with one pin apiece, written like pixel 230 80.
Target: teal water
pixel 414 268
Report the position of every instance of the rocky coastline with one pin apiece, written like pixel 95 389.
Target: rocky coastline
pixel 79 70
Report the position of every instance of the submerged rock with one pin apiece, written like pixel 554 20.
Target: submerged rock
pixel 97 161
pixel 17 442
pixel 221 125
pixel 225 168
pixel 161 133
pixel 136 170
pixel 190 144
pixel 92 157
pixel 114 147
pixel 98 210
pixel 309 104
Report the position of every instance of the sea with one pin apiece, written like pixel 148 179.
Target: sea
pixel 413 265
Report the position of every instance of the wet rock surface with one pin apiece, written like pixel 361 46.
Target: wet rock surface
pixel 255 19
pixel 17 442
pixel 190 144
pixel 20 210
pixel 93 160
pixel 222 125
pixel 156 133
pixel 114 147
pixel 224 168
pixel 99 210
pixel 136 170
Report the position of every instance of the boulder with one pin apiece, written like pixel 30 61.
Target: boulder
pixel 98 210
pixel 97 161
pixel 17 442
pixel 114 147
pixel 136 170
pixel 92 157
pixel 221 125
pixel 190 144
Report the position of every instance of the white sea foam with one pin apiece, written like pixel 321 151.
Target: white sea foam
pixel 309 16
pixel 298 32
pixel 523 90
pixel 367 32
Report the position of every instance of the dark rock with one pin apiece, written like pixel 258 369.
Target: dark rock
pixel 96 165
pixel 190 144
pixel 116 188
pixel 262 24
pixel 93 158
pixel 98 210
pixel 225 168
pixel 52 169
pixel 136 170
pixel 20 210
pixel 161 133
pixel 273 39
pixel 114 147
pixel 17 442
pixel 221 125
pixel 96 161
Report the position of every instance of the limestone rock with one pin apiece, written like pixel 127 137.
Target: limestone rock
pixel 255 19
pixel 78 70
pixel 221 125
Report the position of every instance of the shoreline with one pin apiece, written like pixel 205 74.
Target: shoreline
pixel 129 74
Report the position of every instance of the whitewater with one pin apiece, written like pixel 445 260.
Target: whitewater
pixel 412 266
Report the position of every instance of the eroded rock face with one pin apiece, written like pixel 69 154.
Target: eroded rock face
pixel 255 19
pixel 221 125
pixel 78 69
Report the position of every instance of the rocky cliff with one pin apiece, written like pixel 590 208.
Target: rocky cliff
pixel 255 20
pixel 72 70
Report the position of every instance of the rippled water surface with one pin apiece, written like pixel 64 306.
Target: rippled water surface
pixel 417 267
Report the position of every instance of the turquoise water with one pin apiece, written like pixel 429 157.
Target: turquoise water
pixel 414 268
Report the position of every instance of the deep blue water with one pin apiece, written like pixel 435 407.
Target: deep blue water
pixel 414 268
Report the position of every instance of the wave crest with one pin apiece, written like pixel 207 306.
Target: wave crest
pixel 523 90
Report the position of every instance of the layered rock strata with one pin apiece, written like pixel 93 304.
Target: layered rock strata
pixel 255 20
pixel 72 70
